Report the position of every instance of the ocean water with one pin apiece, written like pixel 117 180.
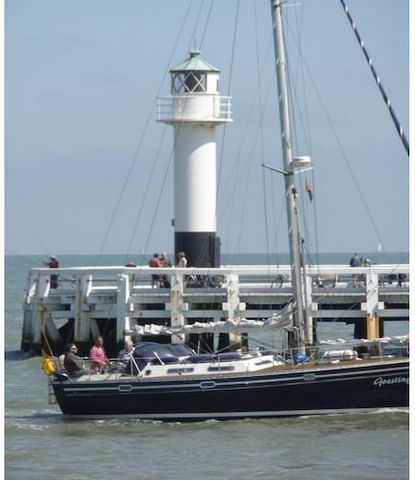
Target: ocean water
pixel 39 443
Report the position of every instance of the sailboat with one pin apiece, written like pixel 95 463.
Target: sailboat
pixel 172 382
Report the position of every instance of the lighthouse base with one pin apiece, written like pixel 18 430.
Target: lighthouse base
pixel 202 249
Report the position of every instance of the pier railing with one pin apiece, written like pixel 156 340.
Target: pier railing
pixel 89 296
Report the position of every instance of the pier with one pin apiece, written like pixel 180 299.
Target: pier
pixel 112 301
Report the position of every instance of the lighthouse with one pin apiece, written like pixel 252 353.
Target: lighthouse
pixel 195 109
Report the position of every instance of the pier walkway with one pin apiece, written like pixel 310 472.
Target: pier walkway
pixel 111 301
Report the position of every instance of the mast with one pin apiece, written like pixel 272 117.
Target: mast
pixel 290 189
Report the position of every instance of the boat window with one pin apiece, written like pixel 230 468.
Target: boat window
pixel 180 370
pixel 263 362
pixel 221 368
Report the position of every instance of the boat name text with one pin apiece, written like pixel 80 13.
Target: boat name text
pixel 380 381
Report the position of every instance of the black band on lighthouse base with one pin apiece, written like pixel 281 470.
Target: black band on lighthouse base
pixel 202 249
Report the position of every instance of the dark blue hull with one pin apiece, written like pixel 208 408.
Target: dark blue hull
pixel 302 391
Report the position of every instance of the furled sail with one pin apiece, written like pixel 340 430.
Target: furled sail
pixel 279 320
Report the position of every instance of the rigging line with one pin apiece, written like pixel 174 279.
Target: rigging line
pixel 307 133
pixel 349 167
pixel 261 134
pixel 135 156
pixel 243 206
pixel 294 100
pixel 235 29
pixel 385 97
pixel 158 201
pixel 140 210
pixel 278 226
pixel 315 222
pixel 233 178
pixel 193 36
pixel 305 125
pixel 246 166
pixel 206 23
pixel 345 157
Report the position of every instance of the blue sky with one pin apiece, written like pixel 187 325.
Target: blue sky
pixel 83 144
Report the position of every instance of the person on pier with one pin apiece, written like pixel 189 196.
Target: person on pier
pixel 53 263
pixel 155 263
pixel 165 262
pixel 182 262
pixel 356 261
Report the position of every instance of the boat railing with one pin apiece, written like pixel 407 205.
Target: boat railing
pixel 330 352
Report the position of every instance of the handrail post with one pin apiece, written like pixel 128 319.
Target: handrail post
pixel 372 305
pixel 176 301
pixel 82 327
pixel 123 307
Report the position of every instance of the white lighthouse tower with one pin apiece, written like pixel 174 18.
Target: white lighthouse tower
pixel 194 109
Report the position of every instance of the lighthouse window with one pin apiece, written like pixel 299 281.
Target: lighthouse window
pixel 195 82
pixel 177 83
pixel 188 82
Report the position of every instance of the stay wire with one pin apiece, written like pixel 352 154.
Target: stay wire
pixel 193 36
pixel 307 128
pixel 206 23
pixel 235 165
pixel 261 134
pixel 146 191
pixel 144 131
pixel 295 106
pixel 158 201
pixel 235 30
pixel 307 133
pixel 343 152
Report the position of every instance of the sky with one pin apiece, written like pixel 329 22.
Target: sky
pixel 89 170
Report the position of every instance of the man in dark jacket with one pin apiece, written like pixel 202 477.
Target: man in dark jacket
pixel 356 260
pixel 74 365
pixel 53 263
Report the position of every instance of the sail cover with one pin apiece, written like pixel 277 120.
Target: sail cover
pixel 278 320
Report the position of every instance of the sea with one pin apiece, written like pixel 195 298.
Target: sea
pixel 41 444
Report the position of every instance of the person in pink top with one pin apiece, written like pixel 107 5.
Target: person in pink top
pixel 98 357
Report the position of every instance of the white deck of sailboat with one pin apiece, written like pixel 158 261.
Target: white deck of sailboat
pixel 278 367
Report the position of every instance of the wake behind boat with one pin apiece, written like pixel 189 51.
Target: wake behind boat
pixel 171 381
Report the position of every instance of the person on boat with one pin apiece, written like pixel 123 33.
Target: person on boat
pixel 166 263
pixel 53 263
pixel 124 357
pixel 73 364
pixel 98 357
pixel 155 263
